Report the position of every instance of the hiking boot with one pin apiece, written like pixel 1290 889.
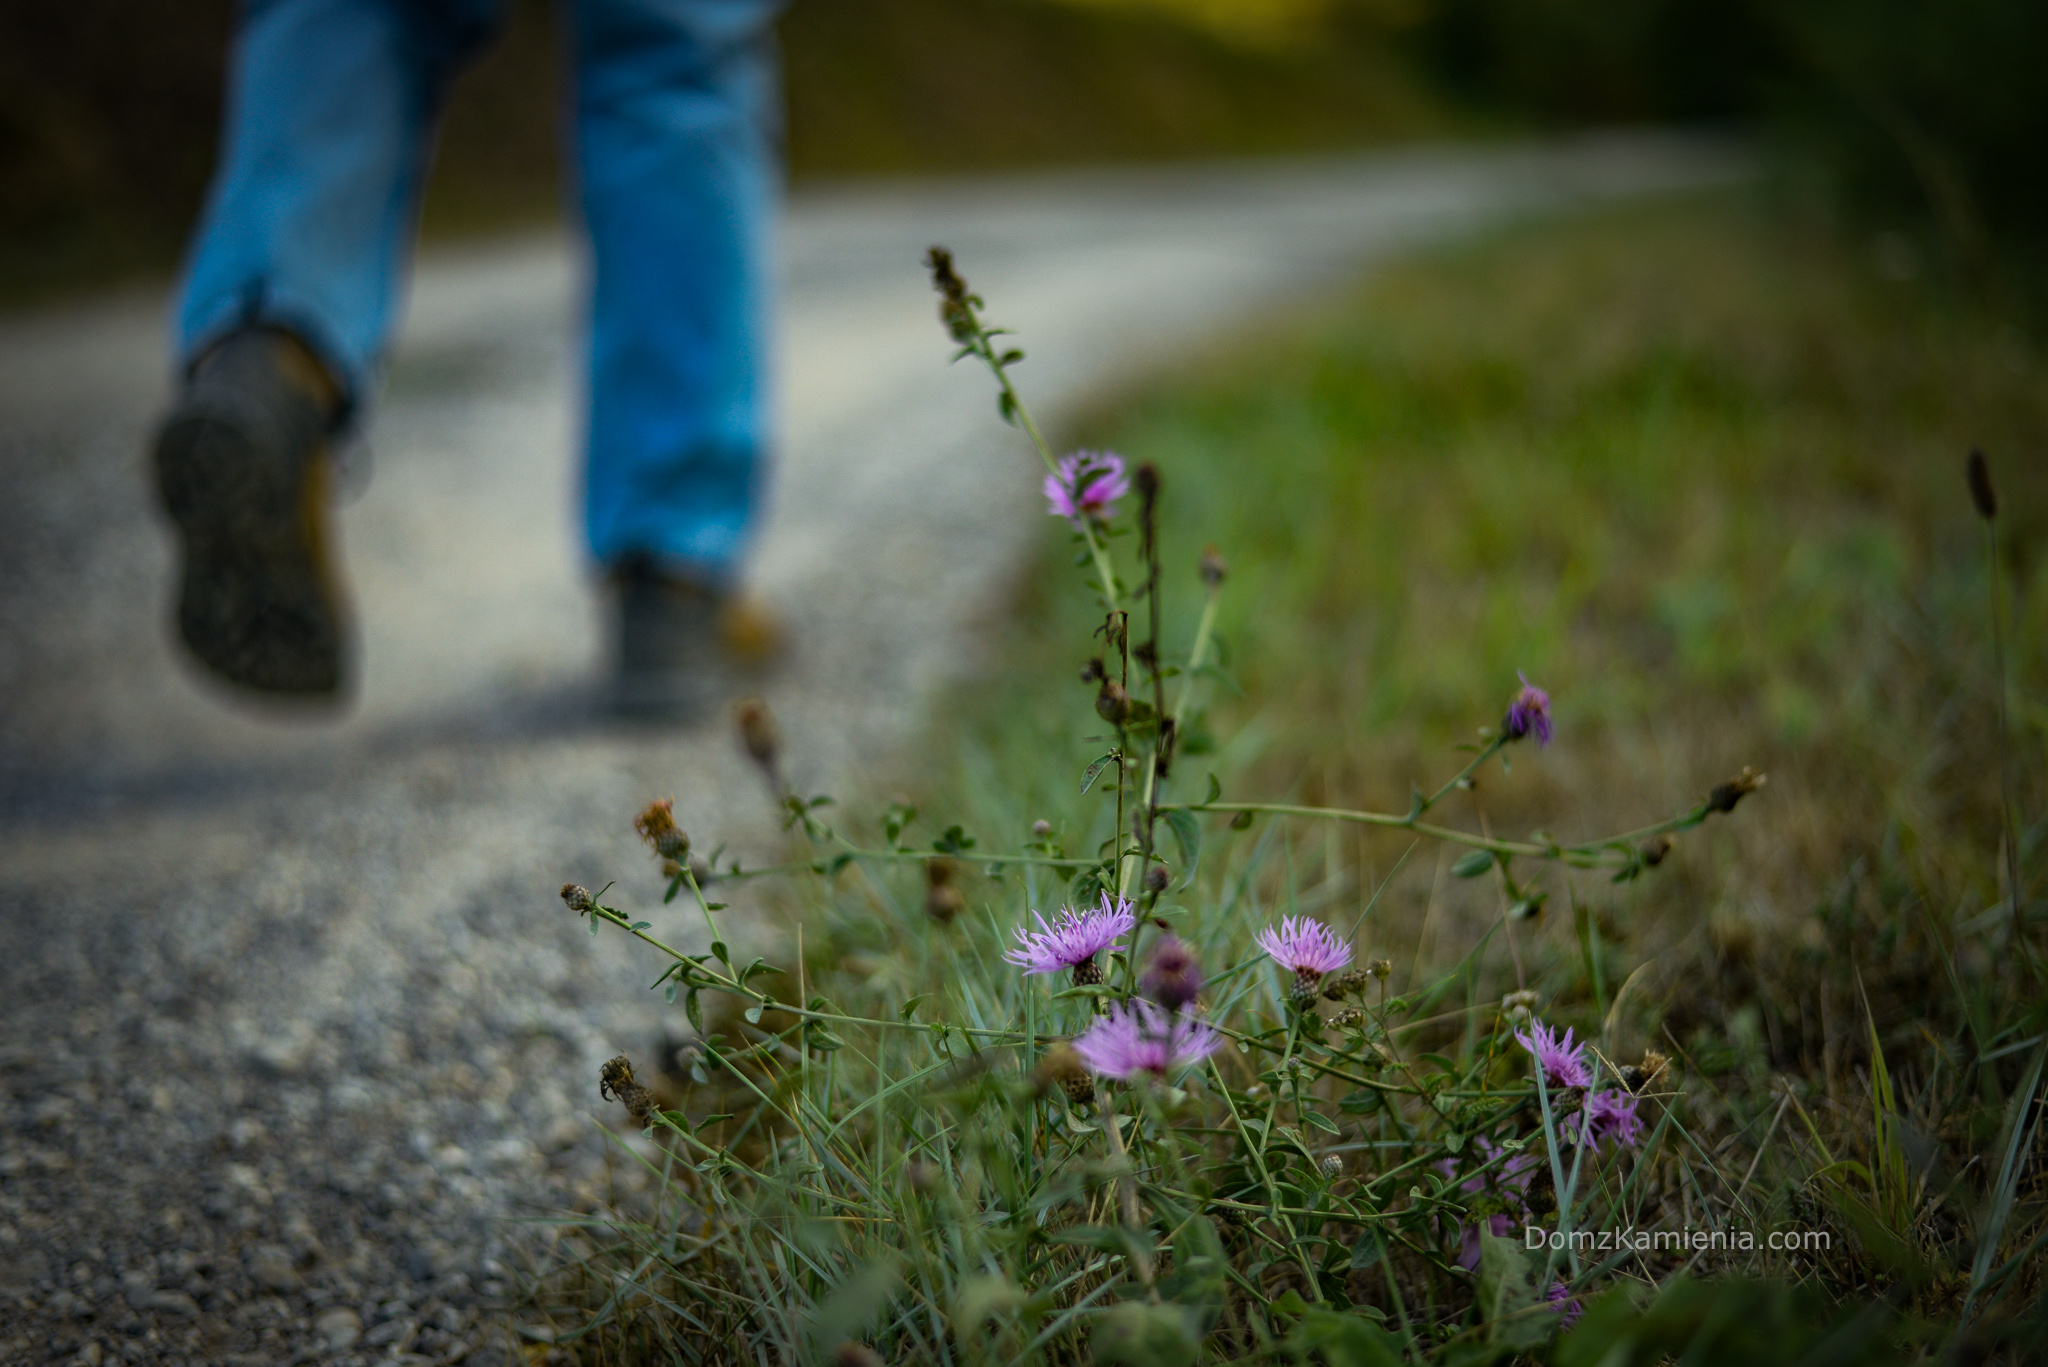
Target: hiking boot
pixel 242 470
pixel 683 646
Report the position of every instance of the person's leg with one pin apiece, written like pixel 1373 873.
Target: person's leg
pixel 285 309
pixel 677 146
pixel 309 221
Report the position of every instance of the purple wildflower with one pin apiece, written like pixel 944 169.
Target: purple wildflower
pixel 1561 1298
pixel 1562 1061
pixel 1086 485
pixel 1139 1037
pixel 1511 1179
pixel 1530 711
pixel 1074 939
pixel 1307 947
pixel 1174 979
pixel 1612 1115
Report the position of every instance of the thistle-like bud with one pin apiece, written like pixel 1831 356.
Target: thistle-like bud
pixel 657 826
pixel 1062 1068
pixel 956 303
pixel 1351 982
pixel 1214 567
pixel 578 897
pixel 1653 850
pixel 1351 1018
pixel 758 732
pixel 1725 795
pixel 942 901
pixel 1041 830
pixel 1638 1076
pixel 1332 1166
pixel 1981 492
pixel 1379 968
pixel 1174 979
pixel 1157 879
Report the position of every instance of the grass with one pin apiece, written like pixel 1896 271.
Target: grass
pixel 1699 473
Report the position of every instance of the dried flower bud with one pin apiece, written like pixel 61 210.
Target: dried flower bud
pixel 1379 968
pixel 1093 671
pixel 657 826
pixel 1062 1068
pixel 1351 982
pixel 1112 704
pixel 1726 795
pixel 942 901
pixel 1350 1018
pixel 578 897
pixel 1146 477
pixel 1981 492
pixel 1654 849
pixel 758 732
pixel 956 304
pixel 854 1353
pixel 1333 1167
pixel 615 1082
pixel 1157 879
pixel 1214 567
pixel 1638 1076
pixel 1041 830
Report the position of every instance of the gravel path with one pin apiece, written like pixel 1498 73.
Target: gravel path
pixel 291 1020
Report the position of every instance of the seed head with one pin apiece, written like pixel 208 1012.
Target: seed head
pixel 1156 879
pixel 1214 567
pixel 578 897
pixel 1653 850
pixel 1333 1167
pixel 657 826
pixel 615 1082
pixel 1380 968
pixel 956 303
pixel 1725 795
pixel 1041 830
pixel 1350 1018
pixel 1351 982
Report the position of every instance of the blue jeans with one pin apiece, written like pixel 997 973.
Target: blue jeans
pixel 309 223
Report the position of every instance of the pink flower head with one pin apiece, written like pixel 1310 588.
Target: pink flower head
pixel 1530 711
pixel 1307 947
pixel 1086 485
pixel 1511 1179
pixel 1139 1037
pixel 1561 1298
pixel 1562 1061
pixel 1074 939
pixel 1612 1115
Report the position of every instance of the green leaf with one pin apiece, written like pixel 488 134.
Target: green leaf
pixel 1094 771
pixel 1321 1122
pixel 640 925
pixel 718 948
pixel 694 1011
pixel 1473 864
pixel 670 993
pixel 1187 834
pixel 1084 990
pixel 1241 822
pixel 1136 1334
pixel 1215 790
pixel 1366 1252
pixel 1364 1101
pixel 909 1008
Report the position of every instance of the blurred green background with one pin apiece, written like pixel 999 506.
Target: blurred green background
pixel 1921 120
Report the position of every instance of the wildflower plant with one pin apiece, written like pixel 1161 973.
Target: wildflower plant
pixel 1158 1124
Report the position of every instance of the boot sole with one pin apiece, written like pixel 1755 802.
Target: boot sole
pixel 258 600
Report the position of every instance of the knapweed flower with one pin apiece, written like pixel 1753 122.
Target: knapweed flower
pixel 1529 712
pixel 1562 1061
pixel 1139 1037
pixel 1307 948
pixel 1074 939
pixel 1174 979
pixel 1087 484
pixel 1611 1115
pixel 1511 1180
pixel 1561 1298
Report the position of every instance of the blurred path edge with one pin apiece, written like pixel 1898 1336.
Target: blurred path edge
pixel 323 958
